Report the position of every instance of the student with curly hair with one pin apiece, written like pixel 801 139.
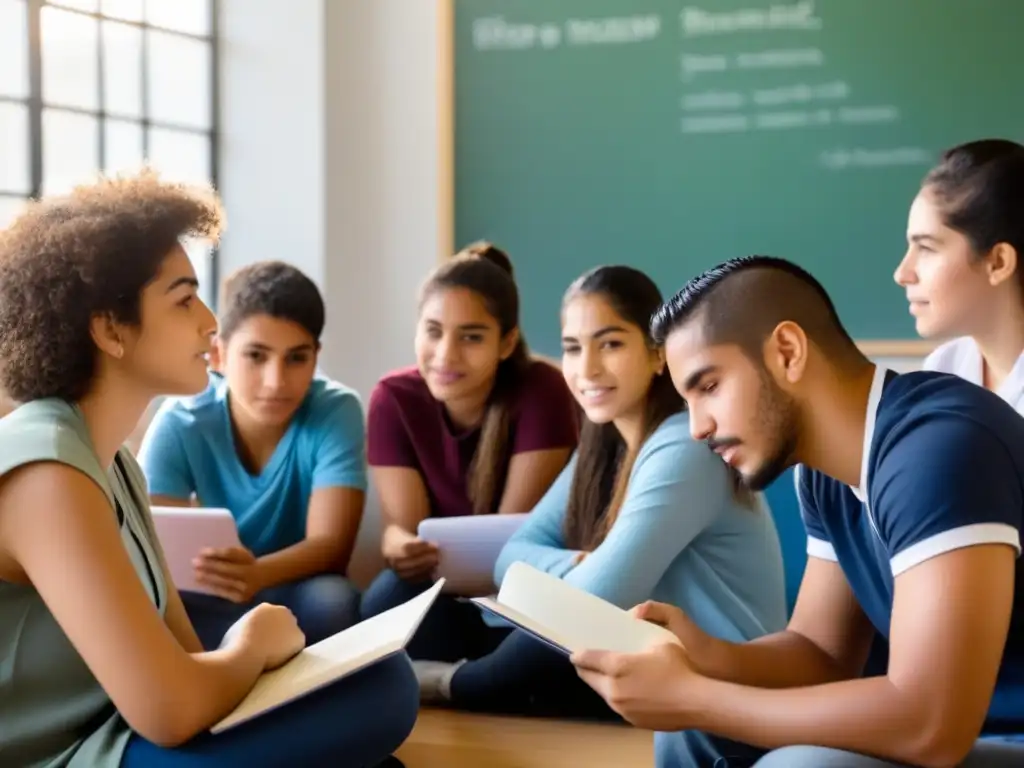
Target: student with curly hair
pixel 99 664
pixel 278 445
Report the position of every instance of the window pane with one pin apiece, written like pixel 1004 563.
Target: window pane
pixel 70 143
pixel 123 146
pixel 183 15
pixel 130 10
pixel 179 80
pixel 180 155
pixel 70 70
pixel 10 207
pixel 13 49
pixel 15 156
pixel 82 5
pixel 122 69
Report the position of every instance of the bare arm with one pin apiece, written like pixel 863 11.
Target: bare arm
pixel 87 581
pixel 403 497
pixel 828 639
pixel 332 525
pixel 947 646
pixel 404 503
pixel 530 474
pixel 177 619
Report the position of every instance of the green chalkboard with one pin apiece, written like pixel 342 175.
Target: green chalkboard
pixel 670 136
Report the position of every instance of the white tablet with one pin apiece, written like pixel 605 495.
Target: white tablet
pixel 185 531
pixel 469 547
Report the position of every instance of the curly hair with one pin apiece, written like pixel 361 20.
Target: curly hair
pixel 69 259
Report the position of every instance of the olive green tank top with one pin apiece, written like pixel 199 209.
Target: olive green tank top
pixel 53 712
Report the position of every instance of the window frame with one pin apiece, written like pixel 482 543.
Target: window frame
pixel 36 105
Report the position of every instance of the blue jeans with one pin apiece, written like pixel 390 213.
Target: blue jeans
pixel 323 605
pixel 691 749
pixel 358 721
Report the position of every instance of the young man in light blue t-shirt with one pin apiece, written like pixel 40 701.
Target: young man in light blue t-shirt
pixel 279 446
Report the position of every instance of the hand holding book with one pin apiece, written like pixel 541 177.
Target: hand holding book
pixel 626 656
pixel 651 688
pixel 333 658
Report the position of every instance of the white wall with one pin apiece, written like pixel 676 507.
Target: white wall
pixel 329 160
pixel 383 178
pixel 272 149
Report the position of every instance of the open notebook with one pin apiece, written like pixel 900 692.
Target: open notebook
pixel 566 618
pixel 333 658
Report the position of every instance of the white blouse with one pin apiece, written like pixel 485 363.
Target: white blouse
pixel 962 357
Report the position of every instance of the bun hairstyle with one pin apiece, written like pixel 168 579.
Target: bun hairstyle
pixel 979 188
pixel 483 249
pixel 487 271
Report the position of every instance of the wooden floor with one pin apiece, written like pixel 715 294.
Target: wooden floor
pixel 446 739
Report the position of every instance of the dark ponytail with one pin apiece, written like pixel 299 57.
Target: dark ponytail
pixel 487 271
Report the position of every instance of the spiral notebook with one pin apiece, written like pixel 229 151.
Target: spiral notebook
pixel 334 658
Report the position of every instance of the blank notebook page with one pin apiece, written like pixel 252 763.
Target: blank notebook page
pixel 574 619
pixel 334 657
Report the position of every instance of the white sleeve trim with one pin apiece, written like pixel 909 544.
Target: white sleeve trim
pixel 955 538
pixel 821 549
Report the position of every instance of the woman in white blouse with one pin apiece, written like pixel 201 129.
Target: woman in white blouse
pixel 961 272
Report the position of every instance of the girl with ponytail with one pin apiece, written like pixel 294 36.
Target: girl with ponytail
pixel 476 427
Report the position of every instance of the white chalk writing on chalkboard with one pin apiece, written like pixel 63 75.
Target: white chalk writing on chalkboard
pixel 794 16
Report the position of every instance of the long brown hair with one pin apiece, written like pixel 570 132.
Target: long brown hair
pixel 487 271
pixel 603 460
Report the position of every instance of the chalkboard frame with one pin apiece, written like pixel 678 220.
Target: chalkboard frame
pixel 876 348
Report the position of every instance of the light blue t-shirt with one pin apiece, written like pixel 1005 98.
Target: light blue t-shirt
pixel 681 537
pixel 190 448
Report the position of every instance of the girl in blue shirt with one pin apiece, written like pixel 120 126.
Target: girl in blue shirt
pixel 642 512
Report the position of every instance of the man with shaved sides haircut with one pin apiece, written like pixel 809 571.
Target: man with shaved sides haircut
pixel 911 488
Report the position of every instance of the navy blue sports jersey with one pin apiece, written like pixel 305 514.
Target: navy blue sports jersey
pixel 943 469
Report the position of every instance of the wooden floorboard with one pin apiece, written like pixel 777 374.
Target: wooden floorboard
pixel 447 739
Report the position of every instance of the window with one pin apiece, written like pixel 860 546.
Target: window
pixel 90 86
